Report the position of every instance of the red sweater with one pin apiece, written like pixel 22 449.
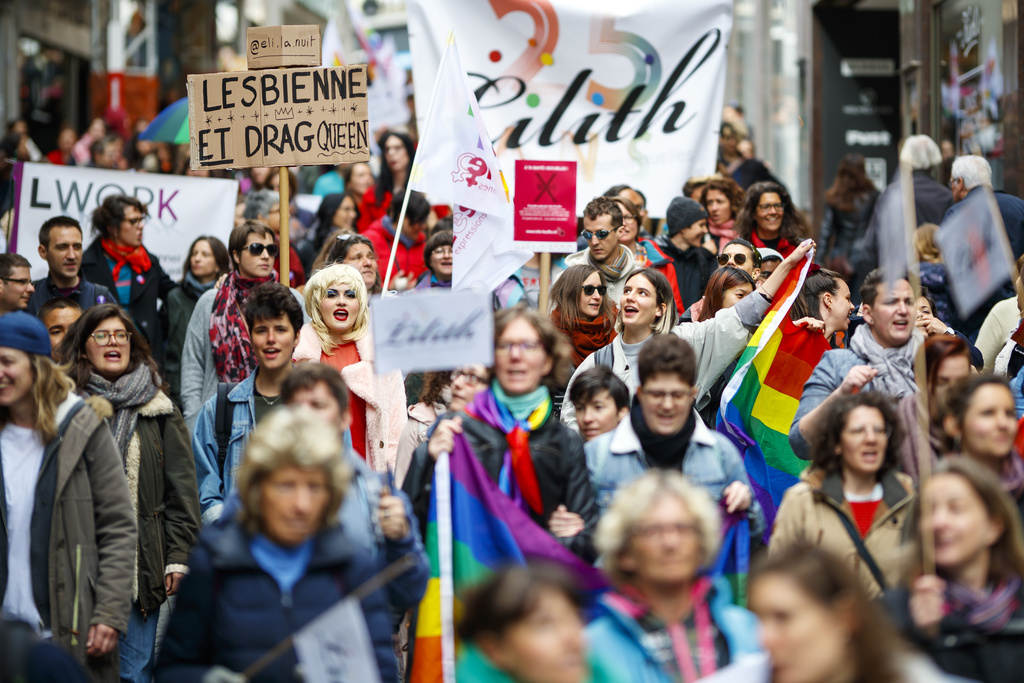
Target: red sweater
pixel 408 260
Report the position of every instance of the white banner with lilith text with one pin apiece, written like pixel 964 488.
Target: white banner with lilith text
pixel 632 92
pixel 181 208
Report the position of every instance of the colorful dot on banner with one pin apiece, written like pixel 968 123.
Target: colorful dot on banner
pixel 649 59
pixel 532 42
pixel 597 98
pixel 495 56
pixel 546 59
pixel 532 100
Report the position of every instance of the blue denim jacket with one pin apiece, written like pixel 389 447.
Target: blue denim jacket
pixel 711 462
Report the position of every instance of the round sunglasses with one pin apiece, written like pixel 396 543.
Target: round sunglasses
pixel 738 259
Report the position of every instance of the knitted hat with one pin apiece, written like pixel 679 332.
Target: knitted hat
pixel 682 213
pixel 19 330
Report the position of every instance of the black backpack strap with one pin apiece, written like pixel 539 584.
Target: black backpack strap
pixel 222 426
pixel 16 642
pixel 862 549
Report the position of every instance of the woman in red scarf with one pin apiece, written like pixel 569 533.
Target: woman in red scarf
pixel 583 310
pixel 117 260
pixel 722 198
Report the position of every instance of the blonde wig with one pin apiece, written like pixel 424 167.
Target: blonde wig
pixel 336 276
pixel 634 501
pixel 289 437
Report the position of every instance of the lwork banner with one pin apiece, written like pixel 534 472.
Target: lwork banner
pixel 181 208
pixel 632 93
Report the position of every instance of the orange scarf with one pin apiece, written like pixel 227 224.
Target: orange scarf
pixel 136 257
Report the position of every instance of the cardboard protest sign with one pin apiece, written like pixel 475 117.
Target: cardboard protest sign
pixel 428 331
pixel 277 46
pixel 545 206
pixel 278 117
pixel 335 647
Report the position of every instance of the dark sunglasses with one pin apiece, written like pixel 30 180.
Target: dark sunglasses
pixel 738 259
pixel 601 234
pixel 590 289
pixel 256 249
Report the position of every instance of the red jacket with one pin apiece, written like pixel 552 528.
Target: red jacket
pixel 370 211
pixel 408 260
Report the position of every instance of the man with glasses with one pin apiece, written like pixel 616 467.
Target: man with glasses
pixel 602 219
pixel 218 345
pixel 663 431
pixel 117 260
pixel 15 284
pixel 60 244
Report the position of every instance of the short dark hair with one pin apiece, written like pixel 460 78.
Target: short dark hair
pixel 270 300
pixel 308 375
pixel 444 238
pixel 667 354
pixel 240 235
pixel 826 438
pixel 57 222
pixel 511 595
pixel 417 211
pixel 108 215
pixel 10 261
pixel 615 190
pixel 591 382
pixel 600 206
pixel 55 304
pixel 869 288
pixel 746 244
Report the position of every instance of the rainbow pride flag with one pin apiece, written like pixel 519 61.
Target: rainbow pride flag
pixel 473 529
pixel 761 399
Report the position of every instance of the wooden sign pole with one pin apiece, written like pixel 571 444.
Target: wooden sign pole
pixel 285 226
pixel 545 283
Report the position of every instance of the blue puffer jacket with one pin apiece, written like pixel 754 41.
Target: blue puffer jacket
pixel 230 612
pixel 620 639
pixel 616 458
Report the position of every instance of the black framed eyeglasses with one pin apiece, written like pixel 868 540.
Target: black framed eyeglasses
pixel 590 289
pixel 738 259
pixel 256 249
pixel 23 281
pixel 601 234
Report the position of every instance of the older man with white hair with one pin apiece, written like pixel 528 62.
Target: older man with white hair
pixel 969 175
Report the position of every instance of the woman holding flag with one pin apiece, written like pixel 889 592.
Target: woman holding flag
pixel 535 460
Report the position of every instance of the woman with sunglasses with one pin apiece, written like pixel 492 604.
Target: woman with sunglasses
pixel 582 309
pixel 338 335
pixel 217 347
pixel 110 360
pixel 852 501
pixel 770 219
pixel 648 308
pixel 442 392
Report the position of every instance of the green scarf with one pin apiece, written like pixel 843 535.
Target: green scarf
pixel 523 406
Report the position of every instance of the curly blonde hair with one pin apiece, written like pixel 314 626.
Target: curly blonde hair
pixel 289 437
pixel 50 387
pixel 316 289
pixel 631 505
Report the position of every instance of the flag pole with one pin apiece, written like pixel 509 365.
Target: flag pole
pixel 412 168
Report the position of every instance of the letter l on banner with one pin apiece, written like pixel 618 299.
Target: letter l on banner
pixel 455 162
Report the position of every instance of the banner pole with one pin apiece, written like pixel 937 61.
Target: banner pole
pixel 545 282
pixel 412 167
pixel 285 226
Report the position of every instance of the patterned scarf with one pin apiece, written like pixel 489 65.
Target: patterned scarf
pixel 127 394
pixel 232 350
pixel 137 258
pixel 518 478
pixel 586 336
pixel 615 270
pixel 988 611
pixel 895 366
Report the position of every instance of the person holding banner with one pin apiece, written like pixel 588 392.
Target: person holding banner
pixel 535 460
pixel 666 619
pixel 276 566
pixel 880 357
pixel 217 345
pixel 966 612
pixel 338 335
pixel 117 260
pixel 648 309
pixel 770 219
pixel 852 501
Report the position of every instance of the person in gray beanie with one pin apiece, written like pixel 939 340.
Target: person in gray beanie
pixel 680 253
pixel 67 541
